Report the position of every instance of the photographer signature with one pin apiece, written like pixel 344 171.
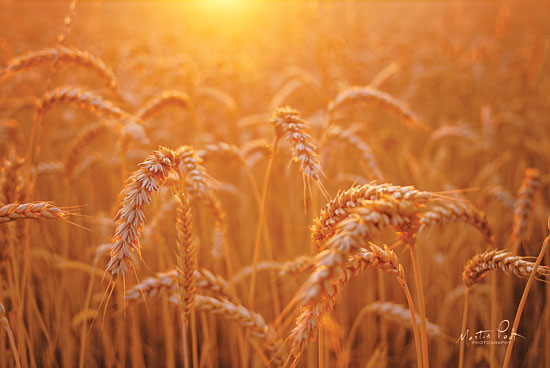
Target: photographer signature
pixel 500 335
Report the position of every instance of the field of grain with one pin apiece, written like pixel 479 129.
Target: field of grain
pixel 251 183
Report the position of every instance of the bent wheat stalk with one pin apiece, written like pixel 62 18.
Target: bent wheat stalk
pixel 60 55
pixel 291 267
pixel 457 211
pixel 247 319
pixel 162 101
pixel 79 144
pixel 131 216
pixel 350 138
pixel 166 282
pixel 339 208
pixel 477 267
pixel 533 275
pixel 480 264
pixel 308 320
pixel 382 99
pixel 6 324
pixel 84 99
pixel 361 225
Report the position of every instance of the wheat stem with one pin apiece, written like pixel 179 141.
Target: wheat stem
pixel 463 328
pixel 421 305
pixel 523 300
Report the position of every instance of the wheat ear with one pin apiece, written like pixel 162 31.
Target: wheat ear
pixel 339 208
pixel 288 124
pixel 166 282
pixel 246 318
pixel 291 267
pixel 523 206
pixel 84 99
pixel 186 256
pixel 480 264
pixel 457 211
pixel 79 144
pixel 34 210
pixel 162 101
pixel 350 138
pixel 381 99
pixel 216 94
pixel 11 180
pixel 60 55
pixel 308 320
pixel 131 216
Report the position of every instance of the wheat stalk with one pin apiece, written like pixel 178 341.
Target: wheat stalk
pixel 79 144
pixel 524 205
pixel 457 211
pixel 219 96
pixel 256 150
pixel 288 124
pixel 6 324
pixel 382 99
pixel 350 138
pixel 50 167
pixel 131 216
pixel 360 226
pixel 198 184
pixel 11 180
pixel 186 256
pixel 29 211
pixel 339 208
pixel 60 55
pixel 247 319
pixel 503 196
pixel 532 276
pixel 401 315
pixel 201 186
pixel 84 99
pixel 314 306
pixel 291 267
pixel 162 101
pixel 480 264
pixel 167 282
pixel 223 151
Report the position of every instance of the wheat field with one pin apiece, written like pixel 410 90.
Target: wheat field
pixel 250 183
